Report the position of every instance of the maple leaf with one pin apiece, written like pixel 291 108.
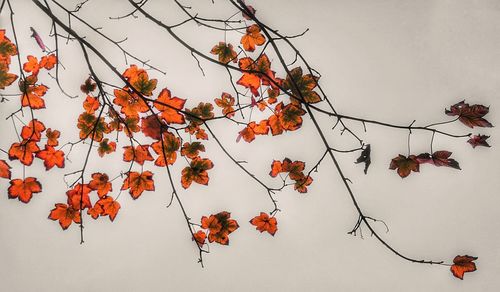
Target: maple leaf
pixel 131 104
pixel 137 183
pixel 6 78
pixel 4 169
pixel 471 116
pixel 91 127
pixel 100 182
pixel 302 183
pixel 200 113
pixel 48 62
pixel 479 140
pixel 302 86
pixel 225 52
pixel 226 102
pixel 438 158
pixel 88 86
pixel 95 211
pixel 138 154
pixel 405 165
pixel 152 127
pixel 33 131
pixel 109 207
pixel 32 65
pixel 24 189
pixel 200 238
pixel 23 151
pixel 65 214
pixel 106 147
pixel 291 117
pixel 78 197
pixel 52 136
pixel 265 223
pixel 365 157
pixel 7 48
pixel 196 171
pixel 131 126
pixel 143 84
pixel 170 107
pixel 252 129
pixel 227 226
pixel 132 72
pixel 463 264
pixel 32 94
pixel 51 157
pixel 252 38
pixel 192 150
pixel 91 104
pixel 211 223
pixel 166 149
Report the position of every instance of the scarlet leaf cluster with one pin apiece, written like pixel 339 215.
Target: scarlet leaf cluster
pixel 295 172
pixel 218 226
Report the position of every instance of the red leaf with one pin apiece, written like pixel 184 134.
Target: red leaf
pixel 51 157
pixel 463 264
pixel 479 140
pixel 265 223
pixel 137 183
pixel 4 169
pixel 24 189
pixel 471 116
pixel 405 165
pixel 66 215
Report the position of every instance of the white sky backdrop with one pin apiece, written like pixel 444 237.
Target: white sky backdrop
pixel 394 61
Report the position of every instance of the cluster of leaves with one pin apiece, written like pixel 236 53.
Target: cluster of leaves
pixel 217 227
pixel 295 171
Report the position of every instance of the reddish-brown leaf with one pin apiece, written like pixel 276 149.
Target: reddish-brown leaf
pixel 225 53
pixel 52 137
pixel 463 264
pixel 265 223
pixel 88 86
pixel 131 104
pixel 151 126
pixel 24 189
pixel 192 150
pixel 226 102
pixel 405 165
pixel 438 158
pixel 471 116
pixel 106 147
pixel 168 149
pixel 170 107
pixel 479 140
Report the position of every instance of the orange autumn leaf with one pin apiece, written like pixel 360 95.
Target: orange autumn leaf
pixel 225 52
pixel 166 149
pixel 463 264
pixel 302 183
pixel 51 157
pixel 220 226
pixel 138 154
pixel 7 48
pixel 78 197
pixel 137 183
pixel 106 147
pixel 192 150
pixel 252 129
pixel 95 211
pixel 32 95
pixel 32 65
pixel 143 84
pixel 91 127
pixel 265 223
pixel 132 72
pixel 91 104
pixel 200 238
pixel 23 151
pixel 211 223
pixel 405 165
pixel 302 86
pixel 88 86
pixel 291 117
pixel 48 62
pixel 170 107
pixel 196 171
pixel 33 131
pixel 24 189
pixel 100 183
pixel 226 102
pixel 65 214
pixel 252 38
pixel 6 78
pixel 4 169
pixel 109 207
pixel 201 113
pixel 52 136
pixel 131 104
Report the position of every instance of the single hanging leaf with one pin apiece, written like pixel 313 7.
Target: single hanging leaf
pixel 170 146
pixel 52 136
pixel 138 154
pixel 88 86
pixel 65 214
pixel 24 189
pixel 51 157
pixel 405 165
pixel 100 183
pixel 461 265
pixel 192 150
pixel 197 172
pixel 170 107
pixel 106 147
pixel 48 62
pixel 225 53
pixel 200 238
pixel 365 157
pixel 265 223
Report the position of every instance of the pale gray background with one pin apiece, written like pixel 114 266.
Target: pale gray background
pixel 390 60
